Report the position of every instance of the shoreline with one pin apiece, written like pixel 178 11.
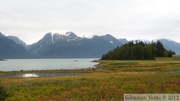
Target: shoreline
pixel 84 70
pixel 43 73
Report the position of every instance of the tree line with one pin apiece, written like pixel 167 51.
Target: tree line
pixel 138 50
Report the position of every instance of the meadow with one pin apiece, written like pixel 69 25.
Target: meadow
pixel 109 82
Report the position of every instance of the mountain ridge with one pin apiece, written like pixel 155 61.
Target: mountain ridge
pixel 171 45
pixel 10 49
pixel 70 45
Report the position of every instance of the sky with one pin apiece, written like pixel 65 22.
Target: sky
pixel 30 20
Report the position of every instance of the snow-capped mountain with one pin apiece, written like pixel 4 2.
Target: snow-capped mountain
pixel 70 45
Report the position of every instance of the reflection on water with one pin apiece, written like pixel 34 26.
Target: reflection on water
pixel 30 75
pixel 38 75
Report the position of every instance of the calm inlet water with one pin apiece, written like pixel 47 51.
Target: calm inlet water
pixel 46 64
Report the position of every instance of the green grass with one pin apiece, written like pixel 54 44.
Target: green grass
pixel 174 69
pixel 117 78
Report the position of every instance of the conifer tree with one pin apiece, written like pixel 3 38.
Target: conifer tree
pixel 138 50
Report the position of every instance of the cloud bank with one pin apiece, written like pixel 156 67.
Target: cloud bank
pixel 131 19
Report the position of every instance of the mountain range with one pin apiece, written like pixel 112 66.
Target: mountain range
pixel 11 49
pixel 68 45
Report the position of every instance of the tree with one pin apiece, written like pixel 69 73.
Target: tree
pixel 148 52
pixel 160 49
pixel 171 53
pixel 138 50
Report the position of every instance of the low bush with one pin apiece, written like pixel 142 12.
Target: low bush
pixel 3 93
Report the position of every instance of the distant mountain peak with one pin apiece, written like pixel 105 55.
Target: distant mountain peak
pixel 170 45
pixel 123 40
pixel 109 36
pixel 17 40
pixel 2 34
pixel 49 33
pixel 164 39
pixel 71 34
pixel 47 39
pixel 50 38
pixel 10 49
pixel 55 37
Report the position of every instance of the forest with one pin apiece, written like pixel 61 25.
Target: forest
pixel 138 50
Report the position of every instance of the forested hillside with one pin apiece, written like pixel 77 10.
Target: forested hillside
pixel 138 50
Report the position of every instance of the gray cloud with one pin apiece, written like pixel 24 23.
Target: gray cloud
pixel 132 19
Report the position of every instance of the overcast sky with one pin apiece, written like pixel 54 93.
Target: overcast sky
pixel 30 20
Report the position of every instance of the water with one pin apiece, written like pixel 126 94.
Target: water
pixel 38 75
pixel 46 64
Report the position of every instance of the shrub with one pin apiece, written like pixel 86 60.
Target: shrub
pixel 3 93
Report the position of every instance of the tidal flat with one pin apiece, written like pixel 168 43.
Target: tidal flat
pixel 109 81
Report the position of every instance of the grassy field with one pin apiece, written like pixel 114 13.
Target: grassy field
pixel 109 82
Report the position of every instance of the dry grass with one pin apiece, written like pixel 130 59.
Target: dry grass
pixel 117 78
